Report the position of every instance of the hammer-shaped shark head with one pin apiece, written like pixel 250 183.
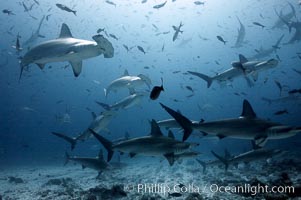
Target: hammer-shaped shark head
pixel 105 45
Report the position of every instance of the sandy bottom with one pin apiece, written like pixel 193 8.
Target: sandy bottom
pixel 142 178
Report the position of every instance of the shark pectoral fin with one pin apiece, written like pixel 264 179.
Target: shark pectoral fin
pixel 170 158
pixel 220 136
pixel 249 82
pixel 41 66
pixel 132 155
pixel 204 133
pixel 77 67
pixel 260 141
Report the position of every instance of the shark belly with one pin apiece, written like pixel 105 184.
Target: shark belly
pixel 228 75
pixel 234 128
pixel 62 50
pixel 145 146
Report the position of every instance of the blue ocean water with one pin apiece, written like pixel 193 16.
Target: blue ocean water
pixel 31 109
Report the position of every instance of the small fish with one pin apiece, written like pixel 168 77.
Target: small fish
pixel 199 3
pixel 191 95
pixel 110 2
pixel 281 112
pixel 216 62
pixel 155 26
pixel 258 24
pixel 175 194
pixel 113 36
pixel 189 88
pixel 65 8
pixel 8 12
pixel 146 67
pixel 141 49
pixel 26 108
pixel 297 71
pixel 59 101
pixel 159 5
pixel 177 31
pixel 175 72
pixel 294 91
pixel 279 86
pixel 221 39
pixel 100 30
pixel 155 93
pixel 126 47
pixel 143 1
pixel 47 17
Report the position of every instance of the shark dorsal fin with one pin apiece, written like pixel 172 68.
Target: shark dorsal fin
pixel 170 134
pixel 126 73
pixel 247 110
pixel 155 129
pixel 127 135
pixel 100 155
pixel 242 59
pixel 65 31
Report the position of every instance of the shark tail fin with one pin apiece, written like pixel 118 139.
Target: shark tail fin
pixel 223 160
pixel 74 12
pixel 203 164
pixel 105 142
pixel 184 122
pixel 206 78
pixel 67 157
pixel 104 105
pixel 71 140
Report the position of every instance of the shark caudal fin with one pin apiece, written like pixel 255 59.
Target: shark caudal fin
pixel 203 164
pixel 206 78
pixel 105 142
pixel 184 122
pixel 67 158
pixel 104 105
pixel 225 161
pixel 71 140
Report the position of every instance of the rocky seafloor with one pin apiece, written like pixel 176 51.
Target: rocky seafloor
pixel 153 178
